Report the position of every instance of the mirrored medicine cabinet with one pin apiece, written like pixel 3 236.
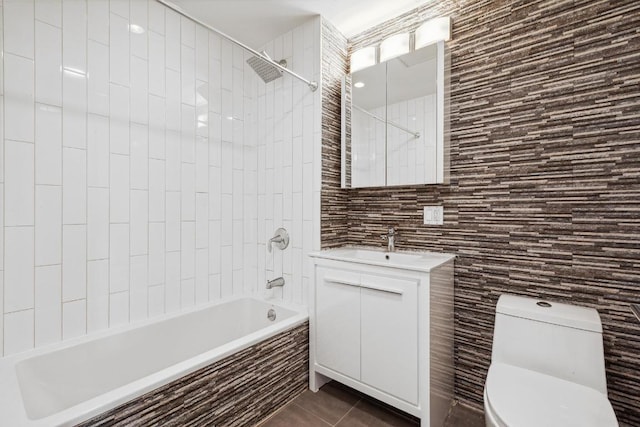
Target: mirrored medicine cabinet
pixel 395 121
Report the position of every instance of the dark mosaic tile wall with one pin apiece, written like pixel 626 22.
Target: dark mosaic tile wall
pixel 334 203
pixel 239 390
pixel 544 198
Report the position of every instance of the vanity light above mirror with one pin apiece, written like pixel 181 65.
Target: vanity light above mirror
pixel 431 31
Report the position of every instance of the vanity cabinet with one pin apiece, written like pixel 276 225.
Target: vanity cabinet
pixel 338 320
pixel 372 328
pixel 366 322
pixel 388 333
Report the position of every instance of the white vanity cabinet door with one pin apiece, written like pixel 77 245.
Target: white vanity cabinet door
pixel 389 335
pixel 338 321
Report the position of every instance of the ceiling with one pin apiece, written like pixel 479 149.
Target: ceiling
pixel 256 22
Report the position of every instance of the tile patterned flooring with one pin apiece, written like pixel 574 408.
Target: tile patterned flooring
pixel 339 406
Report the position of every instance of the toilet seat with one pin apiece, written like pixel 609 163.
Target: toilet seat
pixel 518 397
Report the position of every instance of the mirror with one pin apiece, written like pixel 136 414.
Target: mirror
pixel 393 121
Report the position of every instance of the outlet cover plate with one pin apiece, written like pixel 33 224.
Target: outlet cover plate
pixel 433 215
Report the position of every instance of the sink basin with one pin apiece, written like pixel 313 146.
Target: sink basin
pixel 371 255
pixel 419 261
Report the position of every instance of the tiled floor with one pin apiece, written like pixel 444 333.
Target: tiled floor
pixel 339 406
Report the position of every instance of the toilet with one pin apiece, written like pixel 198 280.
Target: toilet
pixel 547 367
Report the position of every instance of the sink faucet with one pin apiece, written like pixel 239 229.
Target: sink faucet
pixel 278 281
pixel 390 237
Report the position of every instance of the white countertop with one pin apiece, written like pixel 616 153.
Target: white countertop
pixel 415 261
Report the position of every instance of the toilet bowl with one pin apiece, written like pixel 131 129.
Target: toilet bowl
pixel 547 367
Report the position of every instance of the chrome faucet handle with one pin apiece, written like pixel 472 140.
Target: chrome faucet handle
pixel 391 233
pixel 280 240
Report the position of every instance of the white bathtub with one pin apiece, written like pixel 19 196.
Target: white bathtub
pixel 71 382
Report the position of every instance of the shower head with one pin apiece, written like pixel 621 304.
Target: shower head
pixel 265 68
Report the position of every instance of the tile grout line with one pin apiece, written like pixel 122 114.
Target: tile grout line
pixel 274 414
pixel 348 412
pixel 312 414
pixel 282 408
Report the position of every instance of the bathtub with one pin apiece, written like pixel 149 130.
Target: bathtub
pixel 74 381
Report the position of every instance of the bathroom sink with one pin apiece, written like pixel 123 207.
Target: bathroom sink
pixel 420 261
pixel 372 255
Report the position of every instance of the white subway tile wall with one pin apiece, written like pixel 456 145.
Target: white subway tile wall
pixel 144 166
pixel 2 119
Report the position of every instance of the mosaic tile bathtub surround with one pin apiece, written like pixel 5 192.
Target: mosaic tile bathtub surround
pixel 240 390
pixel 545 173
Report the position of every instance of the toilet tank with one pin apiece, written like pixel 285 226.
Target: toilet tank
pixel 561 340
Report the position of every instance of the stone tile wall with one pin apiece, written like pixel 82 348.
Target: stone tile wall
pixel 544 198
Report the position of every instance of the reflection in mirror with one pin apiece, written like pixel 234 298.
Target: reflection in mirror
pixel 411 115
pixel 393 121
pixel 368 117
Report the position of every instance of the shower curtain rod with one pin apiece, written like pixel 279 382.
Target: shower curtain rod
pixel 312 85
pixel 389 122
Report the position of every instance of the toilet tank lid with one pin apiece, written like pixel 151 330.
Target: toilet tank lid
pixel 550 312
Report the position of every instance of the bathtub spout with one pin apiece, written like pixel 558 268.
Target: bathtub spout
pixel 278 281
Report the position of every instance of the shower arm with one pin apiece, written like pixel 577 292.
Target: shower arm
pixel 312 85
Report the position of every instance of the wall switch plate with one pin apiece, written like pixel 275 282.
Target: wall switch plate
pixel 433 215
